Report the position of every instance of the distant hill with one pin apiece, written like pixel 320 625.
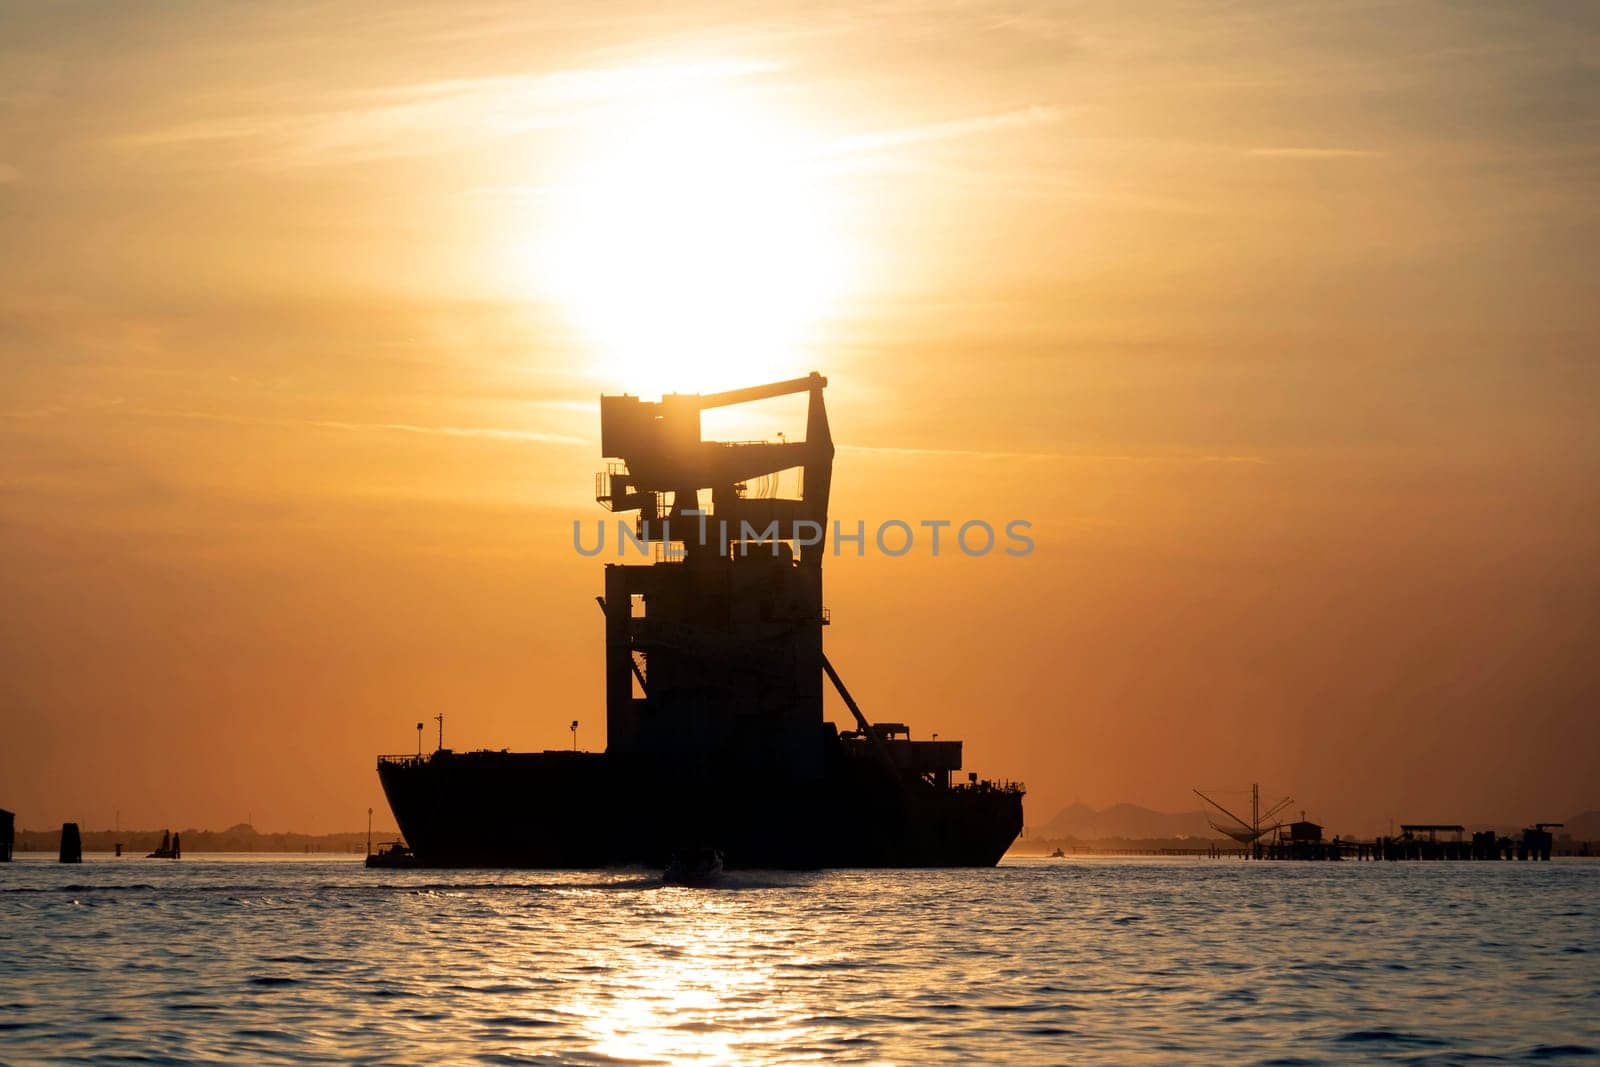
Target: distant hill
pixel 1123 821
pixel 1584 826
pixel 239 838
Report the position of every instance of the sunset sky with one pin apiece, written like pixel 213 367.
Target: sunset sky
pixel 1279 323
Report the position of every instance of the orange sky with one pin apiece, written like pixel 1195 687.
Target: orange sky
pixel 1277 322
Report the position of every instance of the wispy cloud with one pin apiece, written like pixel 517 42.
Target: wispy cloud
pixel 876 147
pixel 946 130
pixel 429 117
pixel 1307 152
pixel 1072 457
pixel 52 410
pixel 482 433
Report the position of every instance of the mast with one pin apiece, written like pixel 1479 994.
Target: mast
pixel 1255 816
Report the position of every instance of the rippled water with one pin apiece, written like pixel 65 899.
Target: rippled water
pixel 1051 961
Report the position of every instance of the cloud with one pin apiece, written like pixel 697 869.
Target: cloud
pixel 482 433
pixel 1315 153
pixel 430 117
pixel 946 130
pixel 449 115
pixel 1073 457
pixel 846 154
pixel 53 410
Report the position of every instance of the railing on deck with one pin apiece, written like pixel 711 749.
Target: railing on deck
pixel 985 786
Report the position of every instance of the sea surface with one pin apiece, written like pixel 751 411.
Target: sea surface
pixel 291 960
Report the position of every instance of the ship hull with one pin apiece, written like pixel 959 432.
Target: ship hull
pixel 583 810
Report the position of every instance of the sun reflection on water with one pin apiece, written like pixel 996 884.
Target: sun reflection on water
pixel 1041 962
pixel 706 994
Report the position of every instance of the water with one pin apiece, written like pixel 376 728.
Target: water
pixel 1052 961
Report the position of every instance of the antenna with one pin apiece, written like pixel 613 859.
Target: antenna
pixel 439 718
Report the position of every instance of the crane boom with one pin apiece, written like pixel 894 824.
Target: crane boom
pixel 861 720
pixel 760 392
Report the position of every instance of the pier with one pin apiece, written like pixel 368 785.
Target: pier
pixel 1303 839
pixel 1417 841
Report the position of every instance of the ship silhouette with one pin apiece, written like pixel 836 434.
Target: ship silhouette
pixel 714 677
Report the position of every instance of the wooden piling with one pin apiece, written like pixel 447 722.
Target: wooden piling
pixel 71 843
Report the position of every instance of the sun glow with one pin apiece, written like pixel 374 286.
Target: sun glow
pixel 696 242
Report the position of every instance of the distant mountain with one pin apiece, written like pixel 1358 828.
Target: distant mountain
pixel 1584 826
pixel 1123 820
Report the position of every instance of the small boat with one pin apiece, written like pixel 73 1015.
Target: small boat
pixel 393 855
pixel 171 847
pixel 693 866
pixel 1057 854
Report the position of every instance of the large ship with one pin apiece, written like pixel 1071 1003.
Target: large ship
pixel 714 678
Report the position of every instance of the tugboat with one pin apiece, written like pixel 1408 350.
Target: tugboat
pixel 392 855
pixel 693 866
pixel 714 678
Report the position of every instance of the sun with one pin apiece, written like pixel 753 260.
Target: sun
pixel 696 242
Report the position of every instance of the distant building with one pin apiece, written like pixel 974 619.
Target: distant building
pixel 1304 831
pixel 8 830
pixel 1432 830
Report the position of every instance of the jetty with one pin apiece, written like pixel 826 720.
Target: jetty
pixel 1263 839
pixel 1303 840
